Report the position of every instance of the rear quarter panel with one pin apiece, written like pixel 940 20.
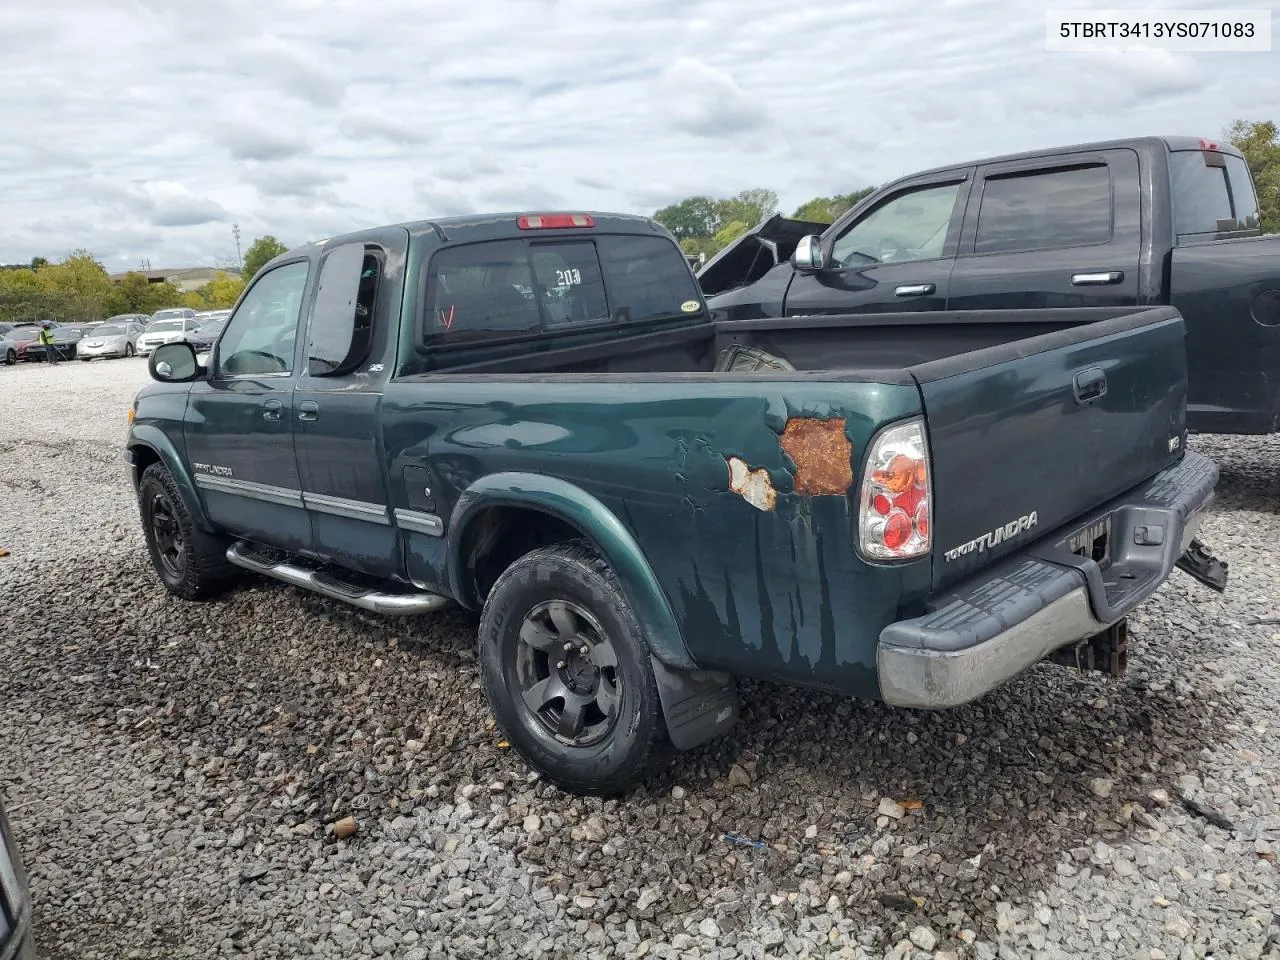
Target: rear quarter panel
pixel 780 592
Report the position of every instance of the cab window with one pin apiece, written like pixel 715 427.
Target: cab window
pixel 259 338
pixel 911 226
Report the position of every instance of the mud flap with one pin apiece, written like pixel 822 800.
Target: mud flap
pixel 1204 566
pixel 698 705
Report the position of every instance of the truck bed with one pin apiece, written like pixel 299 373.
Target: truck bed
pixel 859 344
pixel 1034 417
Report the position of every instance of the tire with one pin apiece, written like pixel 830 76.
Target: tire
pixel 554 592
pixel 128 350
pixel 192 564
pixel 11 357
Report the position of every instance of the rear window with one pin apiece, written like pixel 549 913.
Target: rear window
pixel 1047 208
pixel 509 288
pixel 1212 192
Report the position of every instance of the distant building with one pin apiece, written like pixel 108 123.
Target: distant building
pixel 184 278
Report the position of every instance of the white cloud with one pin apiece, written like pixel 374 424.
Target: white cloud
pixel 300 118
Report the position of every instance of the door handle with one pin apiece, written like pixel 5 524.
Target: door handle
pixel 914 290
pixel 1097 279
pixel 1090 385
pixel 271 410
pixel 308 410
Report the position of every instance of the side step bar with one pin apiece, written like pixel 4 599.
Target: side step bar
pixel 367 598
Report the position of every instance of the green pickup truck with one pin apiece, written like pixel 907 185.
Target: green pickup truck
pixel 536 417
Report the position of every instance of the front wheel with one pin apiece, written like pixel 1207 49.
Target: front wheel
pixel 192 563
pixel 566 671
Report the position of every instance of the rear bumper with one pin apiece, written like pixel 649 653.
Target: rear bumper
pixel 988 630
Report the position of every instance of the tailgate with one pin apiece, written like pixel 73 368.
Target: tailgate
pixel 1028 436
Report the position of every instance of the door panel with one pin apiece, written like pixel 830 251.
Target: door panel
pixel 240 422
pixel 1059 233
pixel 337 404
pixel 894 256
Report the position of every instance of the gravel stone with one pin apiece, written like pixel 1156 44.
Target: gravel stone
pixel 157 752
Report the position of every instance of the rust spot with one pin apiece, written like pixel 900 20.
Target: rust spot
pixel 753 485
pixel 822 454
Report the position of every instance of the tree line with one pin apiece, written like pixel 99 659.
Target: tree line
pixel 705 225
pixel 77 288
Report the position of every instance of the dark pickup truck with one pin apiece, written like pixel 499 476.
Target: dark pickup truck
pixel 536 417
pixel 1157 220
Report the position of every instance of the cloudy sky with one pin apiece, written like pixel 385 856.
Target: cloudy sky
pixel 143 129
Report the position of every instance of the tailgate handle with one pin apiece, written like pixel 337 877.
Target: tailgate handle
pixel 1097 279
pixel 914 290
pixel 1090 385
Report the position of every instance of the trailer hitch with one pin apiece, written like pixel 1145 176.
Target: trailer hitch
pixel 1106 652
pixel 1204 566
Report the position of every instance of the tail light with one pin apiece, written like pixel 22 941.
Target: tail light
pixel 895 519
pixel 555 221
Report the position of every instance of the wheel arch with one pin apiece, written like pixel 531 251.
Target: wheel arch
pixel 148 445
pixel 482 538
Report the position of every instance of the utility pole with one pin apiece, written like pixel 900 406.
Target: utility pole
pixel 235 232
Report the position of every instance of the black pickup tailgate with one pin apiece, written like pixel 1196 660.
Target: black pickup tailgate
pixel 1029 436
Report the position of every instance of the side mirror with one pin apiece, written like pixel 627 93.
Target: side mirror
pixel 808 255
pixel 173 363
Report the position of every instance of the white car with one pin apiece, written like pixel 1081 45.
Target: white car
pixel 164 331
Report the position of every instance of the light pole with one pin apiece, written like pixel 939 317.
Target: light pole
pixel 235 232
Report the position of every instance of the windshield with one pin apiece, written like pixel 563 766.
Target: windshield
pixel 108 330
pixel 159 326
pixel 213 326
pixel 166 314
pixel 24 333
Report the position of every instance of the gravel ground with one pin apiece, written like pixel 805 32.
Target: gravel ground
pixel 173 771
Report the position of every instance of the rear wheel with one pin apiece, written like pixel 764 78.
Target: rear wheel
pixel 191 563
pixel 128 350
pixel 566 671
pixel 11 356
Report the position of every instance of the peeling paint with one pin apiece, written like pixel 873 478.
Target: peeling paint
pixel 752 485
pixel 822 454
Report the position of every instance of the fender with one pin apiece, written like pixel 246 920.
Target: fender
pixel 158 442
pixel 581 510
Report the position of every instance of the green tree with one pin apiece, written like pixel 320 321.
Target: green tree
pixel 38 262
pixel 830 209
pixel 134 294
pixel 749 207
pixel 260 251
pixel 728 233
pixel 1259 141
pixel 220 292
pixel 695 217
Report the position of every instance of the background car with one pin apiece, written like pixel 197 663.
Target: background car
pixel 16 942
pixel 24 336
pixel 174 313
pixel 164 330
pixel 65 339
pixel 203 336
pixel 115 338
pixel 8 351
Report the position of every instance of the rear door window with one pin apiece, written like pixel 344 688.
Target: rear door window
pixel 341 330
pixel 1045 209
pixel 1212 192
